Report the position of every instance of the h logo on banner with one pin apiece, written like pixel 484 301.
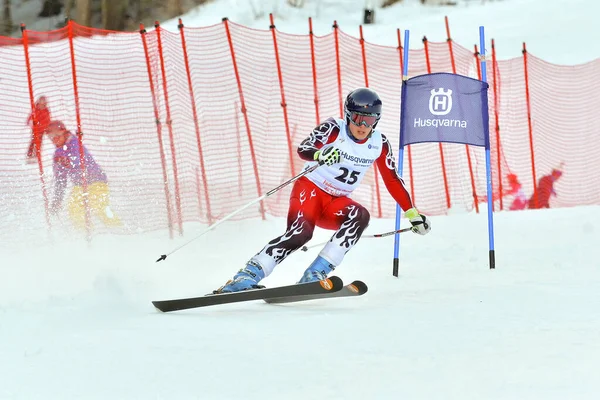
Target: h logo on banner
pixel 440 102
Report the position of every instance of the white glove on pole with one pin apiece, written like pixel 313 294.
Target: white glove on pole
pixel 420 223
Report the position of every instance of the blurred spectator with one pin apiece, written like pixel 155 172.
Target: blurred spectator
pixel 38 120
pixel 516 190
pixel 67 165
pixel 545 189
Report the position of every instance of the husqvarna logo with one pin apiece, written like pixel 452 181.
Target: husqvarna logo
pixel 440 104
pixel 440 101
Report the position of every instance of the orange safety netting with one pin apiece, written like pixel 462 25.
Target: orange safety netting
pixel 192 125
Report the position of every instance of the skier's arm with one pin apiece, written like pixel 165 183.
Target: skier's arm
pixel 323 134
pixel 395 185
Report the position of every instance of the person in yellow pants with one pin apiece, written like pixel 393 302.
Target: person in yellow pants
pixel 67 165
pixel 99 205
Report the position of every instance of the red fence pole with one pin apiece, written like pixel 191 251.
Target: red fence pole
pixel 338 67
pixel 364 55
pixel 238 136
pixel 529 123
pixel 200 196
pixel 366 74
pixel 283 103
pixel 444 174
pixel 170 127
pixel 399 48
pixel 450 47
pixel 244 112
pixel 314 69
pixel 79 133
pixel 469 162
pixel 496 117
pixel 409 152
pixel 32 105
pixel 163 158
pixel 476 55
pixel 196 123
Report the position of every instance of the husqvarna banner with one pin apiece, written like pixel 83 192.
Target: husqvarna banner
pixel 444 107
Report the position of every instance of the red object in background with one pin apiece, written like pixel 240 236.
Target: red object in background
pixel 516 190
pixel 545 189
pixel 39 119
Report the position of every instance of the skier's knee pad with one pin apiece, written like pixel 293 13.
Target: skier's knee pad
pixel 363 218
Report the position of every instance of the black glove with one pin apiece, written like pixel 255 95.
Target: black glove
pixel 328 155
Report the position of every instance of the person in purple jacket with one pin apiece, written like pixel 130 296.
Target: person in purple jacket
pixel 67 167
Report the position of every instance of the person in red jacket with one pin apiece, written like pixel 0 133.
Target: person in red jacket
pixel 516 190
pixel 545 189
pixel 39 119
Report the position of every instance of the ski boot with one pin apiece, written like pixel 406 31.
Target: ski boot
pixel 246 278
pixel 317 271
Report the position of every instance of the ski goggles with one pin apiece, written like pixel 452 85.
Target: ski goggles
pixel 359 119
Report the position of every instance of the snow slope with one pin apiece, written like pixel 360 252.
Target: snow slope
pixel 76 320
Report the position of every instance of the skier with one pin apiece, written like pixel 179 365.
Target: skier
pixel 516 190
pixel 67 165
pixel 345 148
pixel 545 189
pixel 38 119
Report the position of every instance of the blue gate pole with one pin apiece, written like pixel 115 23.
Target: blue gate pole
pixel 488 163
pixel 400 155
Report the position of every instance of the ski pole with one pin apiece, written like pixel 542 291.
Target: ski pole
pixel 219 222
pixel 378 235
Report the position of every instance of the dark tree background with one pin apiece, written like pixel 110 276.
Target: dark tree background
pixel 105 14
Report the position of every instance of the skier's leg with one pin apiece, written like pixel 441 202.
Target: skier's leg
pixel 99 195
pixel 305 207
pixel 349 219
pixel 76 207
pixel 35 146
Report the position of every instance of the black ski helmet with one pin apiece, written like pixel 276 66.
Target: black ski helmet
pixel 363 101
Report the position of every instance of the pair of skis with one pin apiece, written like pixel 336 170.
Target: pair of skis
pixel 328 288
